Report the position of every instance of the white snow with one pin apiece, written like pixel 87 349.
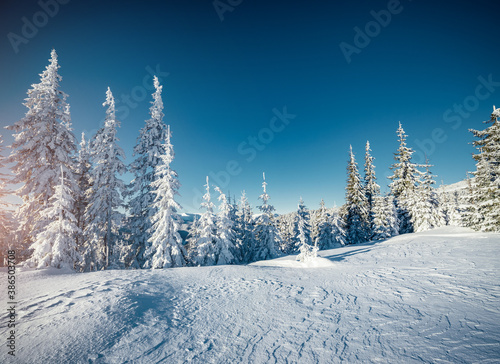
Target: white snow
pixel 430 297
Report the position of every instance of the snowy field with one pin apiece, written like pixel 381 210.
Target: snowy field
pixel 431 297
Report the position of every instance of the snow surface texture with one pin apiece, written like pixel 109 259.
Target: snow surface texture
pixel 426 297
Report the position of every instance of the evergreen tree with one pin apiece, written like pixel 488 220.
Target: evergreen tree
pixel 302 231
pixel 356 212
pixel 487 175
pixel 384 218
pixel 427 214
pixel 331 234
pixel 82 174
pixel 166 249
pixel 267 235
pixel 203 252
pixel 404 183
pixel 245 238
pixel 372 189
pixel 55 246
pixel 225 250
pixel 148 152
pixel 43 143
pixel 338 231
pixel 102 215
pixel 302 228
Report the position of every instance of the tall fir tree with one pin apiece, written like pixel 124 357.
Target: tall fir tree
pixel 43 143
pixel 302 231
pixel 355 208
pixel 166 248
pixel 372 189
pixel 427 213
pixel 385 222
pixel 225 250
pixel 487 174
pixel 203 252
pixel 148 152
pixel 267 236
pixel 302 227
pixel 330 231
pixel 245 237
pixel 103 215
pixel 404 182
pixel 82 174
pixel 55 246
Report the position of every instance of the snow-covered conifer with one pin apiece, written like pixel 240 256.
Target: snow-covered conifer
pixel 302 231
pixel 372 189
pixel 267 236
pixel 245 238
pixel 102 215
pixel 148 152
pixel 82 175
pixel 404 182
pixel 427 213
pixel 487 175
pixel 225 250
pixel 43 143
pixel 302 228
pixel 356 213
pixel 331 233
pixel 203 252
pixel 166 249
pixel 55 245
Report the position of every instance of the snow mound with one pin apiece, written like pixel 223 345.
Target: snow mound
pixel 292 262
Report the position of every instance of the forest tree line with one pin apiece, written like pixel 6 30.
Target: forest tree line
pixel 77 212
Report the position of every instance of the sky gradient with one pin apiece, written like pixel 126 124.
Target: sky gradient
pixel 229 77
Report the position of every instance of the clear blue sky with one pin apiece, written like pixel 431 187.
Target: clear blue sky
pixel 226 76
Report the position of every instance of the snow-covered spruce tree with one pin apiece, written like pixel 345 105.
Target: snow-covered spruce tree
pixel 384 218
pixel 487 175
pixel 165 249
pixel 372 189
pixel 302 231
pixel 404 182
pixel 82 175
pixel 55 246
pixel 469 214
pixel 427 214
pixel 245 238
pixel 301 226
pixel 225 250
pixel 338 230
pixel 330 231
pixel 102 215
pixel 43 143
pixel 267 236
pixel 285 224
pixel 202 252
pixel 356 211
pixel 148 152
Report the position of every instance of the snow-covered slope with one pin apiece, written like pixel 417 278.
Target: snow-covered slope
pixel 426 297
